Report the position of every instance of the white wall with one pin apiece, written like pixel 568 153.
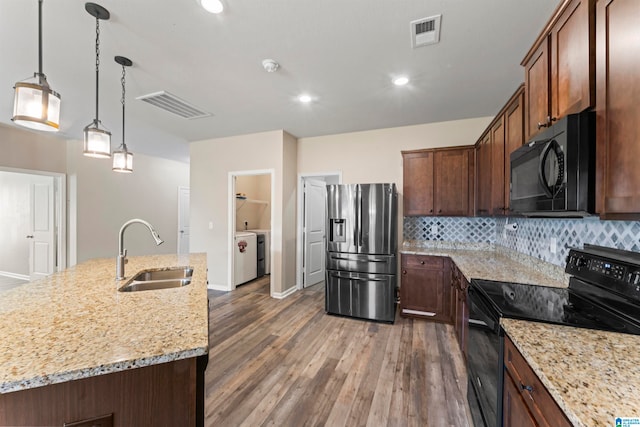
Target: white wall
pixel 212 161
pixel 24 149
pixel 105 200
pixel 374 156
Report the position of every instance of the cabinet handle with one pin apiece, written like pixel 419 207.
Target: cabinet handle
pixel 430 210
pixel 30 237
pixel 404 271
pixel 542 125
pixel 526 387
pixel 439 210
pixel 422 262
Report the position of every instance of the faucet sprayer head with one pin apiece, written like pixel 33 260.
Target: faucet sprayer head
pixel 157 238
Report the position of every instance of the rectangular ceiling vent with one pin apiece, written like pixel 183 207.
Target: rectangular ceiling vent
pixel 425 31
pixel 173 104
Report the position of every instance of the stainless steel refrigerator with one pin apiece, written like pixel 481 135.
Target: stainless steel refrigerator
pixel 361 251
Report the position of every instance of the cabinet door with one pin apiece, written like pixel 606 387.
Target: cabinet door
pixel 451 176
pixel 418 183
pixel 514 138
pixel 514 409
pixel 572 64
pixel 537 89
pixel 483 173
pixel 424 292
pixel 497 167
pixel 617 109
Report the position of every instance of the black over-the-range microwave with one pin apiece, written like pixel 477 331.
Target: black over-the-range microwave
pixel 553 175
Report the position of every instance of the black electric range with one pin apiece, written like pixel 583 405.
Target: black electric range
pixel 603 294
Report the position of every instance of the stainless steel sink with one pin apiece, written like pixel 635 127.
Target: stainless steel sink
pixel 158 279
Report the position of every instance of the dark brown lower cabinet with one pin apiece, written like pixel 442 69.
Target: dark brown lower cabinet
pixel 167 394
pixel 515 411
pixel 526 401
pixel 460 310
pixel 425 288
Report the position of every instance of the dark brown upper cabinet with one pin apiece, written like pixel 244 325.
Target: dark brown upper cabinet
pixel 560 67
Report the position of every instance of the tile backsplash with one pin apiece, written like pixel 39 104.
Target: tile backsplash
pixel 450 229
pixel 533 236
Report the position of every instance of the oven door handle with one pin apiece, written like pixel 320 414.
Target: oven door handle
pixel 486 313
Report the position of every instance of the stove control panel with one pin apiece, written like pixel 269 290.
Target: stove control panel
pixel 606 270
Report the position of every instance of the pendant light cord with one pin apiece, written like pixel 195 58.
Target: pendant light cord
pixel 97 64
pixel 40 38
pixel 124 145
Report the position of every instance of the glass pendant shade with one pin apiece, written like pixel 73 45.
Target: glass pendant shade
pixel 97 142
pixel 122 161
pixel 36 106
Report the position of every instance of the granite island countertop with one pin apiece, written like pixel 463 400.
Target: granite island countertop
pixel 592 375
pixel 489 262
pixel 75 324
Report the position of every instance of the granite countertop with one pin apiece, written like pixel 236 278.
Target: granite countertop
pixel 489 262
pixel 592 375
pixel 75 324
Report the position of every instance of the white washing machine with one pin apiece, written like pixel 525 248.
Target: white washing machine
pixel 267 248
pixel 245 257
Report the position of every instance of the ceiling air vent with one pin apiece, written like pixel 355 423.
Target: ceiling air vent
pixel 425 31
pixel 173 104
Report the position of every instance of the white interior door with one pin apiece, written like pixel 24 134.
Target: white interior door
pixel 183 220
pixel 314 231
pixel 42 245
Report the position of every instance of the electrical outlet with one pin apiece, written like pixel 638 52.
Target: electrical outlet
pixel 210 225
pixel 434 230
pixel 553 245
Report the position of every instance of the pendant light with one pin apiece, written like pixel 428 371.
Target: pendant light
pixel 36 105
pixel 97 139
pixel 122 158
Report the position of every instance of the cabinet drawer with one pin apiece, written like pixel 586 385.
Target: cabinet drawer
pixel 540 403
pixel 423 261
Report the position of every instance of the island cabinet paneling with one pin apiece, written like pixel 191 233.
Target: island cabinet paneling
pixel 438 182
pixel 526 401
pixel 157 395
pixel 618 109
pixel 425 287
pixel 560 67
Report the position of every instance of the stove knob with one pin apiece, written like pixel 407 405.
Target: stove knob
pixel 635 278
pixel 581 262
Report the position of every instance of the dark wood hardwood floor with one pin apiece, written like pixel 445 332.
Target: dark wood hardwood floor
pixel 287 363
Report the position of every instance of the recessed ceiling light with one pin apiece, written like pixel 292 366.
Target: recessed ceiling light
pixel 213 6
pixel 400 81
pixel 304 98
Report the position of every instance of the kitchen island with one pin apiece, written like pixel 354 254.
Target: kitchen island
pixel 75 328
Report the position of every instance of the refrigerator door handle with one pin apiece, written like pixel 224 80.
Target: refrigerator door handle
pixel 340 258
pixel 359 218
pixel 356 279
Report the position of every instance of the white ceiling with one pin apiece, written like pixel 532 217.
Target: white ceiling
pixel 342 52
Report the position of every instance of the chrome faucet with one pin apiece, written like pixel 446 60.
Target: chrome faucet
pixel 122 253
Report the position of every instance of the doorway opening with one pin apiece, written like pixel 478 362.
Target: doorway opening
pixel 32 223
pixel 311 239
pixel 251 214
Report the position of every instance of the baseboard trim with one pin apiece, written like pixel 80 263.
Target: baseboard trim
pixel 282 295
pixel 15 275
pixel 217 287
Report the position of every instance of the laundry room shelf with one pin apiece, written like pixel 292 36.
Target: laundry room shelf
pixel 243 201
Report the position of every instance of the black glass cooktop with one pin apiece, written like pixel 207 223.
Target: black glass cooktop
pixel 564 306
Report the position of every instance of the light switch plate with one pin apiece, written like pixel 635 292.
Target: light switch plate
pixel 553 245
pixel 434 230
